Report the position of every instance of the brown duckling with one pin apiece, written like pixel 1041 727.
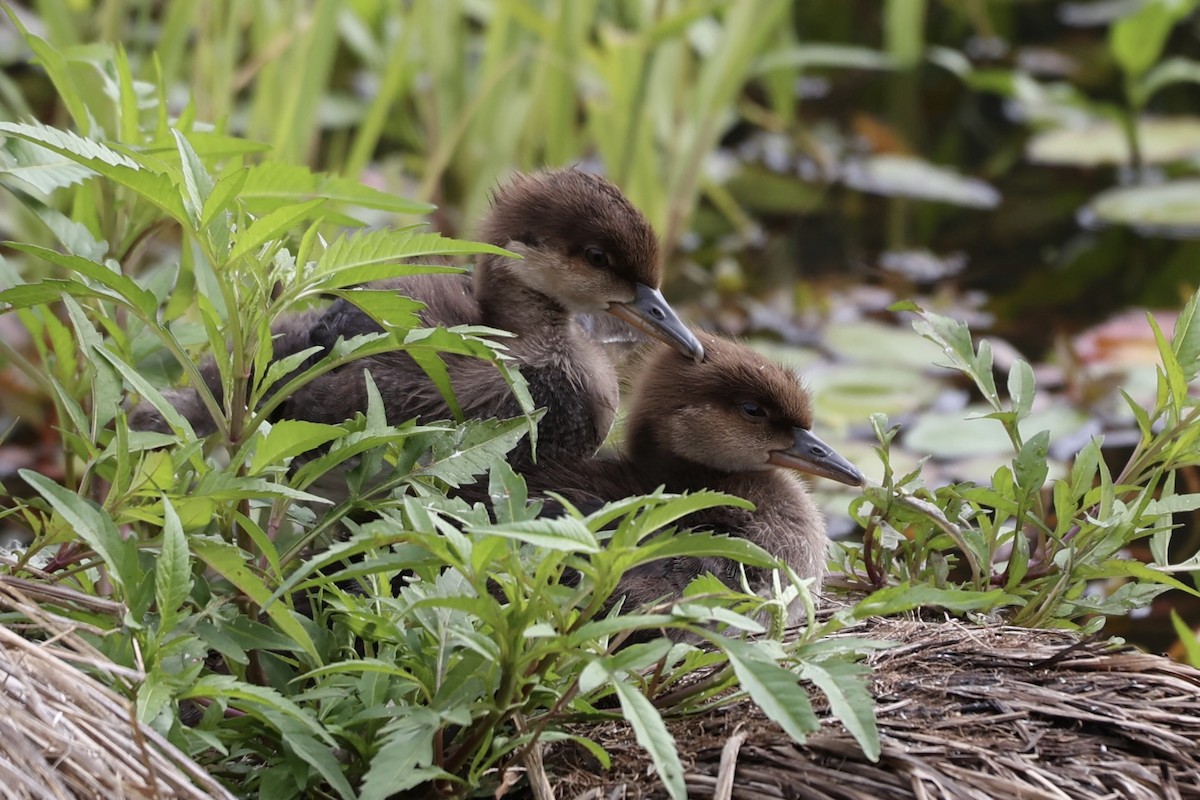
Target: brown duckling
pixel 585 249
pixel 736 423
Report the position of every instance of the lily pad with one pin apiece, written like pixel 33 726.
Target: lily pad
pixel 1163 140
pixel 1168 209
pixel 868 342
pixel 951 435
pixel 906 176
pixel 847 395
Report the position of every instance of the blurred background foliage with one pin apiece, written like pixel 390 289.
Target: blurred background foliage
pixel 1029 167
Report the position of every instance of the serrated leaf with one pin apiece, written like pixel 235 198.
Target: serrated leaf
pixel 172 570
pixel 560 533
pixel 272 226
pixel 59 71
pixel 230 688
pixel 1185 341
pixel 472 450
pixel 846 687
pixel 363 249
pixel 224 192
pixel 155 187
pixel 74 236
pixel 390 309
pixel 652 735
pixel 775 690
pixel 232 563
pixel 93 525
pixel 40 169
pixel 906 597
pixel 291 437
pixel 135 296
pixel 337 189
pixel 508 493
pixel 316 754
pixel 1170 364
pixel 403 760
pixel 197 183
pixel 704 544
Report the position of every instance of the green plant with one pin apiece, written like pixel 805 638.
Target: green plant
pixel 1015 546
pixel 325 657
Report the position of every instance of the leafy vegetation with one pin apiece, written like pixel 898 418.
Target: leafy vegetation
pixel 435 642
pixel 1015 546
pixel 399 637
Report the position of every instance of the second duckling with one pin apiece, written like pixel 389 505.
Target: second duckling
pixel 735 423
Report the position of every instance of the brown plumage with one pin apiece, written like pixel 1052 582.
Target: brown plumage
pixel 585 249
pixel 736 423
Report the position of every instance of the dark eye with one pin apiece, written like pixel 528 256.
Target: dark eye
pixel 754 411
pixel 596 257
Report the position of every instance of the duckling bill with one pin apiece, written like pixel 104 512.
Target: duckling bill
pixel 735 423
pixel 585 248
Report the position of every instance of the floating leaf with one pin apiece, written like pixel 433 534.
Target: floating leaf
pixel 906 176
pixel 952 435
pixel 1162 140
pixel 1170 209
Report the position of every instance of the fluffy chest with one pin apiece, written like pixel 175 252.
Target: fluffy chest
pixel 578 388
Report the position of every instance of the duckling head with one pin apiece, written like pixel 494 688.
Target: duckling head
pixel 734 412
pixel 584 247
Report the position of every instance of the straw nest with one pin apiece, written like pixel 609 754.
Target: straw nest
pixel 964 712
pixel 64 735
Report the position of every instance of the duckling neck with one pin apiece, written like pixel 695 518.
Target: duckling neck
pixel 507 304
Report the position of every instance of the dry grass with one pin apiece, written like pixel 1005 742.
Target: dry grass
pixel 63 734
pixel 965 712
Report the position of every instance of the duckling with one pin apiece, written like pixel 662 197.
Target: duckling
pixel 735 423
pixel 585 248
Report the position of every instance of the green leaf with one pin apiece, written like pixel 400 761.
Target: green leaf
pixel 775 690
pixel 404 759
pixel 40 169
pixel 58 70
pixel 224 192
pixel 1188 639
pixel 133 295
pixel 348 254
pixel 314 753
pixel 271 227
pixel 390 309
pixel 197 183
pixel 652 735
pixel 907 597
pixel 847 688
pixel 155 187
pixel 94 526
pixel 1176 381
pixel 273 184
pixel 703 544
pixel 291 437
pixel 231 562
pixel 1137 40
pixel 172 571
pixel 472 450
pixel 508 493
pixel 1021 388
pixel 1167 73
pixel 74 236
pixel 1031 466
pixel 560 533
pixel 1185 341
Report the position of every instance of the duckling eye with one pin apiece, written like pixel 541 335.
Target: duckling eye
pixel 596 257
pixel 754 411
